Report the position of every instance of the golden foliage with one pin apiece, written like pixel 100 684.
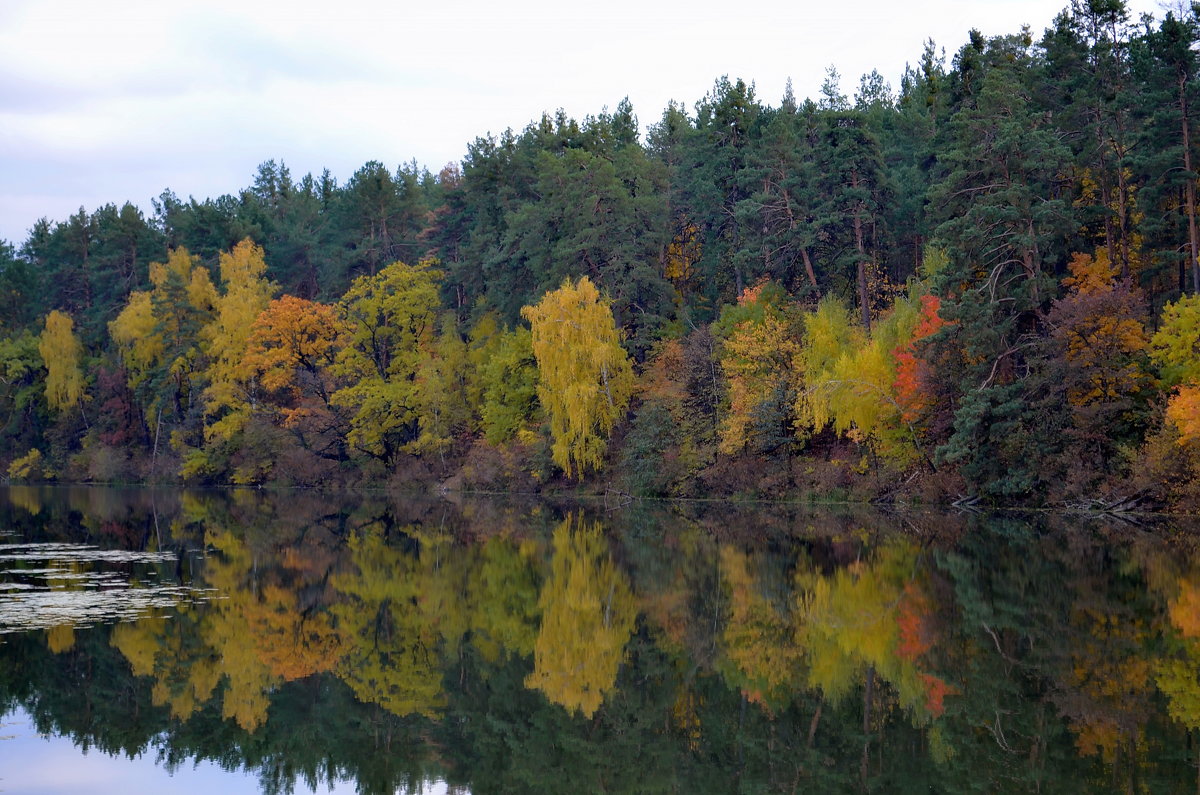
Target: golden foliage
pixel 291 642
pixel 588 615
pixel 758 358
pixel 157 331
pixel 850 379
pixel 60 638
pixel 863 617
pixel 585 377
pixel 389 323
pixel 186 670
pixel 758 640
pixel 226 338
pixel 1175 348
pixel 1102 338
pixel 228 629
pixel 133 331
pixel 1183 411
pixel 27 467
pixel 388 634
pixel 62 354
pixel 682 254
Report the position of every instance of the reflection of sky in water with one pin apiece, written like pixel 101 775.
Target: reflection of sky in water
pixel 38 765
pixel 74 588
pixel 79 585
pixel 79 552
pixel 28 610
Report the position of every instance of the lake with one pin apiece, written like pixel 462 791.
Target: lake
pixel 178 641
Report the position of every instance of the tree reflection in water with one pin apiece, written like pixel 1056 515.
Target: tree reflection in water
pixel 502 647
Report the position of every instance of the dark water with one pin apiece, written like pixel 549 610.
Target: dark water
pixel 241 642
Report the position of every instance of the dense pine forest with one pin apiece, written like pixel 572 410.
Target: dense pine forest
pixel 983 284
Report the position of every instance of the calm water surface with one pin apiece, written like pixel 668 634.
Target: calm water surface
pixel 241 642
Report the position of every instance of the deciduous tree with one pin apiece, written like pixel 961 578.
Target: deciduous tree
pixel 585 378
pixel 62 353
pixel 389 320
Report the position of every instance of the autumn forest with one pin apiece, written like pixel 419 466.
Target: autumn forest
pixel 982 284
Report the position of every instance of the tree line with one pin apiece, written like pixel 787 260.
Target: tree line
pixel 983 283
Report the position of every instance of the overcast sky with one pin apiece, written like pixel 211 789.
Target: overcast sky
pixel 112 101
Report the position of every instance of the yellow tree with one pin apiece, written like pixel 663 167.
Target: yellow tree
pixel 390 643
pixel 585 378
pixel 759 643
pixel 849 375
pixel 1101 328
pixel 587 618
pixel 158 335
pixel 226 337
pixel 1176 673
pixel 444 387
pixel 229 628
pixel 1183 411
pixel 389 322
pixel 171 650
pixel 864 620
pixel 1175 348
pixel 758 355
pixel 62 353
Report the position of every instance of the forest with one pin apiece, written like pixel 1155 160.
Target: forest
pixel 980 286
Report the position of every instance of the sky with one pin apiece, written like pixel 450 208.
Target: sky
pixel 37 764
pixel 108 101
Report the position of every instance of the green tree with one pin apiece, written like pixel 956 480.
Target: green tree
pixel 507 373
pixel 20 288
pixel 1166 65
pixel 22 393
pixel 389 320
pixel 1005 218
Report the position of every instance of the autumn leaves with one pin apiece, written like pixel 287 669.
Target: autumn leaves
pixel 586 378
pixel 381 374
pixel 225 384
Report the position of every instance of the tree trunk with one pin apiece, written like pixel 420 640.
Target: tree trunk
pixel 1122 223
pixel 862 295
pixel 808 269
pixel 868 697
pixel 1189 187
pixel 863 300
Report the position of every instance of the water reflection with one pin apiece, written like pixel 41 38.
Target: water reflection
pixel 587 617
pixel 62 587
pixel 502 647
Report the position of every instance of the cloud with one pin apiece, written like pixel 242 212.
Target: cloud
pixel 128 98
